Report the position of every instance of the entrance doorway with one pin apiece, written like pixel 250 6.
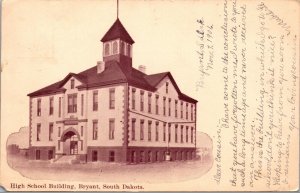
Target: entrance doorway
pixel 70 143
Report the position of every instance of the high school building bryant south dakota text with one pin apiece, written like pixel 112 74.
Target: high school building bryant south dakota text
pixel 113 112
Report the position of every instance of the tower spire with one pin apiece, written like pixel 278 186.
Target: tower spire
pixel 117 9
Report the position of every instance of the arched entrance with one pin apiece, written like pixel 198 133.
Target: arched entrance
pixel 70 139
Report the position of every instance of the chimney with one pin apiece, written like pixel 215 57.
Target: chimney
pixel 142 68
pixel 100 66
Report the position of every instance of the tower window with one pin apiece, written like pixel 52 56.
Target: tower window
pixel 115 47
pixel 128 50
pixel 122 48
pixel 106 49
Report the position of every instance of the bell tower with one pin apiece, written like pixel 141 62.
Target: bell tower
pixel 117 45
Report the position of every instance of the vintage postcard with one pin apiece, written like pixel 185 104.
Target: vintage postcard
pixel 160 95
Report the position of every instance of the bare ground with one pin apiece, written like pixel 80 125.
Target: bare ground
pixel 111 172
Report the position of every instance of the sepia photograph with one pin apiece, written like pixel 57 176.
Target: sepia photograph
pixel 125 95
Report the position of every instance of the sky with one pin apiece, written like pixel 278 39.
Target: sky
pixel 45 40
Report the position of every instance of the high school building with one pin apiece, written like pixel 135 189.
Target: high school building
pixel 113 112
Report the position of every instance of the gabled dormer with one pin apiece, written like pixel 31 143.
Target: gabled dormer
pixel 117 44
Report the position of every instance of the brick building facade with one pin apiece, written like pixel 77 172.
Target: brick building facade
pixel 113 112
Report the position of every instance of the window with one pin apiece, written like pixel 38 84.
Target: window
pixel 133 129
pixel 112 98
pixel 128 50
pixel 156 104
pixel 81 130
pixel 142 156
pixel 38 132
pixel 149 130
pixel 51 132
pixel 111 156
pixel 157 156
pixel 167 87
pixel 94 156
pixel 115 47
pixel 39 107
pixel 187 111
pixel 72 103
pixel 37 154
pixel 187 134
pixel 176 108
pixel 59 107
pixel 95 101
pixel 95 130
pixel 72 84
pixel 82 104
pixel 149 156
pixel 181 134
pixel 142 101
pixel 50 154
pixel 106 49
pixel 122 48
pixel 192 135
pixel 156 131
pixel 169 132
pixel 192 112
pixel 181 110
pixel 133 99
pixel 142 130
pixel 51 106
pixel 169 107
pixel 58 131
pixel 176 132
pixel 164 106
pixel 111 128
pixel 149 103
pixel 164 132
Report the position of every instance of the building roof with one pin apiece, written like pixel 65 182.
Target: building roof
pixel 117 30
pixel 114 73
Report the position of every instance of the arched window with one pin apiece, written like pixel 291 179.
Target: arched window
pixel 122 48
pixel 115 47
pixel 106 49
pixel 128 50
